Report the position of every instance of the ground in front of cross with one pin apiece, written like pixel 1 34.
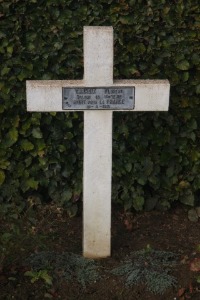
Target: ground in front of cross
pixel 54 231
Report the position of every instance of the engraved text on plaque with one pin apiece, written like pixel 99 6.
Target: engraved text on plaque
pixel 114 98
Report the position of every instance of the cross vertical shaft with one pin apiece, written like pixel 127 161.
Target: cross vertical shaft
pixel 97 168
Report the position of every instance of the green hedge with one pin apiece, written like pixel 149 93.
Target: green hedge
pixel 155 155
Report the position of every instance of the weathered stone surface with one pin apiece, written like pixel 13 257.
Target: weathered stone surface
pixel 150 95
pixel 98 55
pixel 97 168
pixel 97 163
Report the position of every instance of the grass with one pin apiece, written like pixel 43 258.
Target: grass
pixel 148 266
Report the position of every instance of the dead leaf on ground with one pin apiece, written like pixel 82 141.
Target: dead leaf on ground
pixel 181 292
pixel 195 265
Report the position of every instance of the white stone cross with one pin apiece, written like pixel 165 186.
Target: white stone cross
pixel 47 96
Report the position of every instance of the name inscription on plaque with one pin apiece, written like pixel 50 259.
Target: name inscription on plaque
pixel 114 98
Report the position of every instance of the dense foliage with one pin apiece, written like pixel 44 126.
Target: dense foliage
pixel 155 155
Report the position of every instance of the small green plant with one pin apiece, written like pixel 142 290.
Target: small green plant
pixel 150 267
pixel 67 265
pixel 42 274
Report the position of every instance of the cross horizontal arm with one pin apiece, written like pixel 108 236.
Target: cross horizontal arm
pixel 46 95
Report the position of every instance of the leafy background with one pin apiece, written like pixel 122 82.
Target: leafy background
pixel 155 155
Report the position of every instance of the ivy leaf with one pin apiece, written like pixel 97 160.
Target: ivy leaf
pixel 128 167
pixel 36 132
pixel 10 49
pixel 15 121
pixel 32 183
pixel 2 177
pixel 185 76
pixel 187 198
pixel 72 211
pixel 66 196
pixel 13 135
pixel 142 180
pixel 138 203
pixel 183 65
pixel 4 164
pixel 198 89
pixel 5 71
pixel 192 215
pixel 40 144
pixel 26 145
pixel 11 138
